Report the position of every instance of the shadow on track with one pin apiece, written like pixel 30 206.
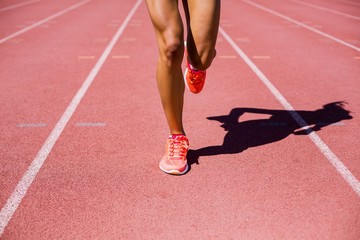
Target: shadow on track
pixel 251 133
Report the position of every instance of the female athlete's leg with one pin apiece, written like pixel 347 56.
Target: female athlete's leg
pixel 169 31
pixel 202 24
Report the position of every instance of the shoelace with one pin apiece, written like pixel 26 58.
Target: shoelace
pixel 178 149
pixel 196 76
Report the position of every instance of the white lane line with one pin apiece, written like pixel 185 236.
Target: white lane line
pixel 86 57
pixel 20 190
pixel 120 57
pixel 31 125
pixel 227 57
pixel 302 25
pixel 90 124
pixel 326 9
pixel 324 149
pixel 18 5
pixel 261 57
pixel 348 2
pixel 58 14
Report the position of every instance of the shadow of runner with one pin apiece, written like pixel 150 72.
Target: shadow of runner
pixel 280 124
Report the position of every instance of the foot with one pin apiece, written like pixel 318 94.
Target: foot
pixel 194 79
pixel 174 160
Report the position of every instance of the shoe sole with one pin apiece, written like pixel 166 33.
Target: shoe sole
pixel 185 73
pixel 186 70
pixel 175 172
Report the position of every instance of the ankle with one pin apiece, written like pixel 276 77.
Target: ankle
pixel 177 133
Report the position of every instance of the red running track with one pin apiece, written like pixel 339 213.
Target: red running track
pixel 82 128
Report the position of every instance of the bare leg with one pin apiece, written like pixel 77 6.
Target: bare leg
pixel 202 23
pixel 169 31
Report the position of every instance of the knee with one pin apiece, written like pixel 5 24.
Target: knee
pixel 172 48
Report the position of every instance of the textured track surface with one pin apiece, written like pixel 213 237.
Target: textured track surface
pixel 254 172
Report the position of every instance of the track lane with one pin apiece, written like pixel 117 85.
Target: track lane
pixel 17 5
pixel 327 73
pixel 342 6
pixel 240 199
pixel 38 93
pixel 243 194
pixel 305 83
pixel 31 24
pixel 302 124
pixel 330 10
pixel 8 3
pixel 54 91
pixel 349 35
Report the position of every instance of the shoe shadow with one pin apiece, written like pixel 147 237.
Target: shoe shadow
pixel 242 135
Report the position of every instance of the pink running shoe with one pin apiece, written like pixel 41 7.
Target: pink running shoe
pixel 174 160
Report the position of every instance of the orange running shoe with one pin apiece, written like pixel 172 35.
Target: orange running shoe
pixel 174 160
pixel 194 79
